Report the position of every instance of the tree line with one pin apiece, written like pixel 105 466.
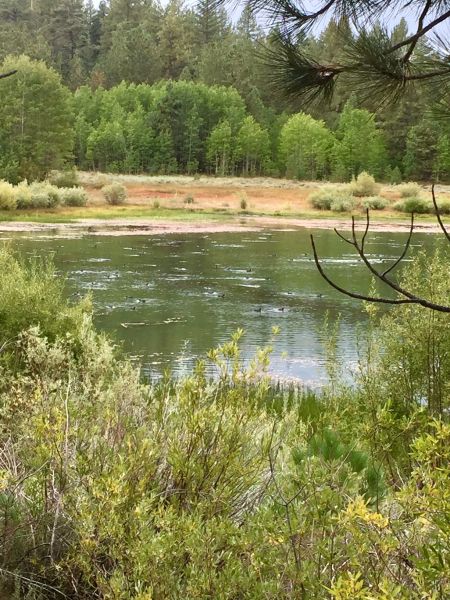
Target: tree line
pixel 172 64
pixel 189 127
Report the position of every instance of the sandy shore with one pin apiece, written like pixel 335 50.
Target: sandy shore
pixel 143 226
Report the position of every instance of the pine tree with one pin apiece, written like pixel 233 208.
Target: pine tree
pixel 211 21
pixel 421 151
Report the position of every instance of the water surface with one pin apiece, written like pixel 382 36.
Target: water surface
pixel 168 299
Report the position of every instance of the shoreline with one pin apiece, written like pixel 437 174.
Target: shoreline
pixel 145 226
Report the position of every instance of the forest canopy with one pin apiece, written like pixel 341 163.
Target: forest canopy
pixel 185 89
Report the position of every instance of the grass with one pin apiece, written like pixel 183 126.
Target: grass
pixel 70 215
pixel 129 211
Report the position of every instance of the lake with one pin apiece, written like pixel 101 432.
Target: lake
pixel 168 299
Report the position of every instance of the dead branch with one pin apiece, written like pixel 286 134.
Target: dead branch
pixel 8 74
pixel 408 297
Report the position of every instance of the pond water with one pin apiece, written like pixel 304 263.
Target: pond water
pixel 168 299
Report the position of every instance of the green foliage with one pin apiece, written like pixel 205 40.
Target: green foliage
pixel 75 196
pixel 394 176
pixel 36 195
pixel 421 151
pixel 7 196
pixel 375 203
pixel 219 148
pixel 202 488
pixel 115 194
pixel 305 146
pixel 414 204
pixel 33 296
pixel 409 190
pixel 253 147
pixel 343 204
pixel 67 179
pixel 363 185
pixel 359 145
pixel 329 196
pixel 35 120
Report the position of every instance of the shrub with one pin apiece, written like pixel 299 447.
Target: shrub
pixel 364 185
pixel 23 195
pixel 444 207
pixel 33 296
pixel 37 195
pixel 417 205
pixel 64 179
pixel 374 203
pixel 98 181
pixel 409 190
pixel 44 195
pixel 7 196
pixel 343 204
pixel 115 194
pixel 324 198
pixel 243 204
pixel 156 204
pixel 189 200
pixel 74 196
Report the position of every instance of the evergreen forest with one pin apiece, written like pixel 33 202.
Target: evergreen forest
pixel 138 87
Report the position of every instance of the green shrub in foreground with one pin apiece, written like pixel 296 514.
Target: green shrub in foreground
pixel 7 196
pixel 216 488
pixel 115 194
pixel 32 295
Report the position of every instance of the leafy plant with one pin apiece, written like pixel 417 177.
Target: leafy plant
pixel 76 196
pixel 374 203
pixel 414 204
pixel 64 179
pixel 343 204
pixel 7 196
pixel 115 194
pixel 409 190
pixel 364 185
pixel 326 197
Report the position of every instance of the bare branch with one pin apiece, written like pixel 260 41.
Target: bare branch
pixel 438 214
pixel 409 297
pixel 8 74
pixel 347 292
pixel 403 254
